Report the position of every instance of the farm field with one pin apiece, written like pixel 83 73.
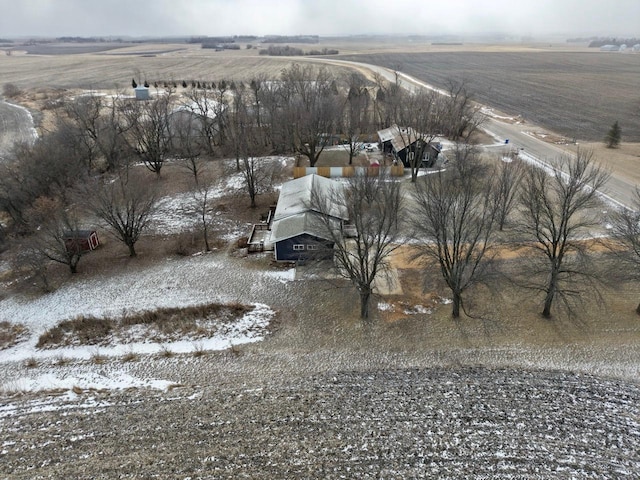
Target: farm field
pixel 115 68
pixel 305 389
pixel 577 94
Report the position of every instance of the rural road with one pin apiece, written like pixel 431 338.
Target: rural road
pixel 619 189
pixel 16 125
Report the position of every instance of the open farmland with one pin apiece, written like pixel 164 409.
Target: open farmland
pixel 114 69
pixel 577 94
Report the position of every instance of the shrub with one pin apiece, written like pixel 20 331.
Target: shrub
pixel 11 333
pixel 84 330
pixel 11 90
pixel 31 362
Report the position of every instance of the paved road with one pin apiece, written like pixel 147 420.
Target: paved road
pixel 619 189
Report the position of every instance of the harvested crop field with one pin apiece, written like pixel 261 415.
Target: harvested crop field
pixel 409 423
pixel 115 68
pixel 577 94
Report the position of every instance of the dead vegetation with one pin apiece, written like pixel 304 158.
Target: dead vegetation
pixel 198 321
pixel 11 334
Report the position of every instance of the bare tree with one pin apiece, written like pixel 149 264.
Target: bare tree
pixel 461 116
pixel 47 168
pixel 626 239
pixel 187 146
pixel 419 122
pixel 555 211
pixel 202 207
pixel 125 204
pixel 208 108
pixel 355 116
pixel 79 120
pixel 150 134
pixel 56 232
pixel 311 109
pixel 455 222
pixel 112 132
pixel 374 205
pixel 248 144
pixel 507 183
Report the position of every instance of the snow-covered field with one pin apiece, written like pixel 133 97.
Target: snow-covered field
pixel 170 283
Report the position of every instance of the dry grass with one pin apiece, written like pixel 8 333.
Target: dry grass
pixel 165 352
pixel 98 358
pixel 11 334
pixel 31 362
pixel 198 321
pixel 130 357
pixel 84 330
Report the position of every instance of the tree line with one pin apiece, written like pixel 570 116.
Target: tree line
pixel 85 165
pixel 463 220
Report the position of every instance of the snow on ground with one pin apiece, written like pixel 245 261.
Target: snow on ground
pixel 180 212
pixel 283 276
pixel 172 283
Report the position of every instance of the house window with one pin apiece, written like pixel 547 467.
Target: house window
pixel 312 247
pixel 298 247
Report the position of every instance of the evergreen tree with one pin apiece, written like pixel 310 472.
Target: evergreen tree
pixel 612 140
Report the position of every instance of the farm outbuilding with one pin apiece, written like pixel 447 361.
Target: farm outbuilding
pixel 297 230
pixel 142 93
pixel 81 241
pixel 404 142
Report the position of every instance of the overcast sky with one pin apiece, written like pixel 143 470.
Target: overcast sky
pixel 320 17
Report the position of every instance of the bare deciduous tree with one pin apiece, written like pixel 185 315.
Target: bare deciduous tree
pixel 207 108
pixel 626 239
pixel 248 144
pixel 455 222
pixel 45 168
pixel 311 109
pixel 461 116
pixel 125 204
pixel 555 211
pixel 355 114
pixel 374 205
pixel 418 122
pixel 507 183
pixel 150 135
pixel 55 228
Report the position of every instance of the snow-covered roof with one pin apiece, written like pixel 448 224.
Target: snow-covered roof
pixel 294 225
pixel 294 214
pixel 400 137
pixel 295 196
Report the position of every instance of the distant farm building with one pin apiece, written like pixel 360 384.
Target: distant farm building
pixel 404 143
pixel 298 231
pixel 142 92
pixel 81 241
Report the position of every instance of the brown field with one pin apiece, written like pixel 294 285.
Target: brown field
pixel 576 93
pixel 114 69
pixel 569 89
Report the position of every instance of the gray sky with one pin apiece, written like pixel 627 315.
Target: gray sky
pixel 321 17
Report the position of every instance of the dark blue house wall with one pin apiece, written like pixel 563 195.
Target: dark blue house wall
pixel 320 248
